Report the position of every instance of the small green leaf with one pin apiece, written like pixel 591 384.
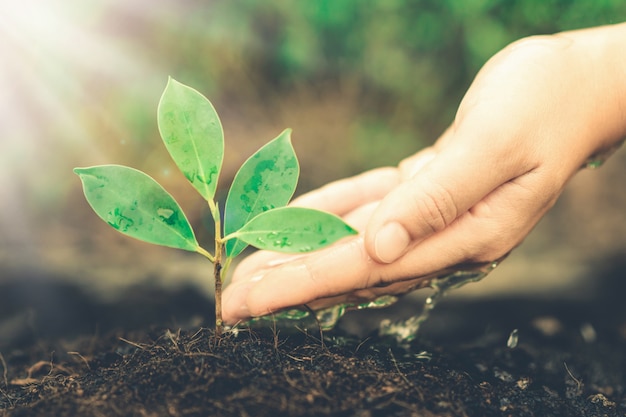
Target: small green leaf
pixel 265 181
pixel 293 229
pixel 136 205
pixel 193 135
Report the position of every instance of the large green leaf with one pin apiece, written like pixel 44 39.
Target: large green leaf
pixel 136 205
pixel 265 181
pixel 193 135
pixel 293 229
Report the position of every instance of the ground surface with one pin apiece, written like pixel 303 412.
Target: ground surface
pixel 65 354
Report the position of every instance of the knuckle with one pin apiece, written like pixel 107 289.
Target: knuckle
pixel 494 244
pixel 436 208
pixel 532 43
pixel 491 251
pixel 363 295
pixel 318 287
pixel 536 47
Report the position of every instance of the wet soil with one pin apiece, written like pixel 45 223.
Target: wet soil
pixel 65 353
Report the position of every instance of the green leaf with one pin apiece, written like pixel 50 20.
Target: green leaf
pixel 193 135
pixel 265 181
pixel 293 229
pixel 136 205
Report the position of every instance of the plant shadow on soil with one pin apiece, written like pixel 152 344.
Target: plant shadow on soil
pixel 64 353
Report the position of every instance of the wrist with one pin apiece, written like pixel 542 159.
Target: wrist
pixel 602 48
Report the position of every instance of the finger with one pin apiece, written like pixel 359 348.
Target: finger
pixel 369 294
pixel 262 261
pixel 448 185
pixel 410 166
pixel 234 302
pixel 259 263
pixel 343 196
pixel 301 281
pixel 486 232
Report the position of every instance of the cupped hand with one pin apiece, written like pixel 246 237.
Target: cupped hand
pixel 534 114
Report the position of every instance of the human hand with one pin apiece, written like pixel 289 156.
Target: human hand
pixel 534 114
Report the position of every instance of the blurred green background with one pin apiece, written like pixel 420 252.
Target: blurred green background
pixel 362 83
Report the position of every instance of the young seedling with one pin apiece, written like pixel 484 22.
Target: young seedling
pixel 256 211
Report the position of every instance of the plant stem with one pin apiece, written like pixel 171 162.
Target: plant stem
pixel 217 271
pixel 226 265
pixel 217 275
pixel 206 254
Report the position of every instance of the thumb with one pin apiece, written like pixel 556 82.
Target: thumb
pixel 449 185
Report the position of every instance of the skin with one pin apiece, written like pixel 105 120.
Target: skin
pixel 536 112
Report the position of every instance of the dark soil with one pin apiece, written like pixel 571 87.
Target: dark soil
pixel 65 354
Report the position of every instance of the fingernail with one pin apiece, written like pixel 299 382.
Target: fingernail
pixel 391 242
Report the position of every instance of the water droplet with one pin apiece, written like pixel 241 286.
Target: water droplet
pixel 282 243
pixel 382 301
pixel 594 163
pixel 513 339
pixel 403 331
pixel 588 333
pixel 598 159
pixel 406 331
pixel 326 318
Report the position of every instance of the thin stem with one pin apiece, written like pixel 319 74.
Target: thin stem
pixel 217 271
pixel 205 253
pixel 229 237
pixel 217 276
pixel 226 265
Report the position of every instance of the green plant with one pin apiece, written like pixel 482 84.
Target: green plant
pixel 255 211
